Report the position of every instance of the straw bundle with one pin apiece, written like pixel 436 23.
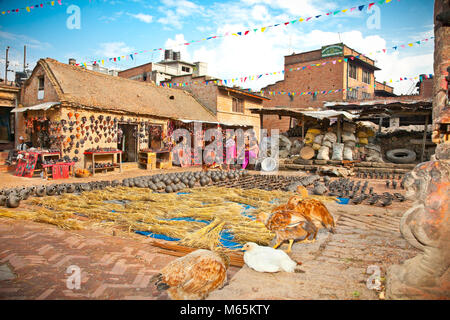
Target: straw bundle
pixel 139 209
pixel 207 237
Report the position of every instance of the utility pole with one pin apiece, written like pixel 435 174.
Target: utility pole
pixel 6 66
pixel 24 58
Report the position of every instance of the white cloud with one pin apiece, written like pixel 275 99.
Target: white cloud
pixel 112 18
pixel 256 53
pixel 296 8
pixel 142 17
pixel 24 40
pixel 177 44
pixel 395 66
pixel 176 10
pixel 113 49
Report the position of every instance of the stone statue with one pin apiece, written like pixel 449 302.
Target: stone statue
pixel 425 226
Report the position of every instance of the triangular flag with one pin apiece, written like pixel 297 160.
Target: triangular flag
pixel 353 9
pixel 28 9
pixel 246 32
pixel 361 7
pixel 395 48
pixel 371 5
pixel 309 19
pixel 345 10
pixel 317 17
pixel 263 29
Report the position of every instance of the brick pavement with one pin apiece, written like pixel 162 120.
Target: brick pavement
pixel 111 267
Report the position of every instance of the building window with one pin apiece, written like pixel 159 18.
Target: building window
pixel 41 87
pixel 185 69
pixel 41 83
pixel 352 94
pixel 352 71
pixel 366 76
pixel 144 76
pixel 366 95
pixel 238 105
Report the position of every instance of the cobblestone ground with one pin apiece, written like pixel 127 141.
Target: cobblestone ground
pixel 336 265
pixel 34 259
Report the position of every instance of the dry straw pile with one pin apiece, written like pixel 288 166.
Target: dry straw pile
pixel 139 209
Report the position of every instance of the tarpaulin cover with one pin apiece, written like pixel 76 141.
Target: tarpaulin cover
pixel 226 237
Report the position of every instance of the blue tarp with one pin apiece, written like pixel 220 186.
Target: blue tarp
pixel 226 237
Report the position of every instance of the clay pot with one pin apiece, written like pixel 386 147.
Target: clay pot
pixel 12 201
pixel 70 188
pixel 2 200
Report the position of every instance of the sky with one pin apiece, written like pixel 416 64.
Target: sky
pixel 111 28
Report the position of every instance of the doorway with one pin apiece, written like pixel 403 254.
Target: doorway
pixel 127 142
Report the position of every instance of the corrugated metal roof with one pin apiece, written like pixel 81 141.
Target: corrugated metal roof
pixel 318 114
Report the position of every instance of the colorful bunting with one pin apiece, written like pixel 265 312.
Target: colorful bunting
pixel 29 8
pixel 263 29
pixel 252 77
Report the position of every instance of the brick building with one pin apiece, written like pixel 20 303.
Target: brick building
pixel 231 106
pixel 172 65
pixel 79 109
pixel 329 68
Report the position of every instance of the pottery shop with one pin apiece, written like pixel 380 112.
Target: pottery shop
pixel 99 121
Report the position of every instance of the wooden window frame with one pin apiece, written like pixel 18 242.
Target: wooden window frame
pixel 355 73
pixel 237 105
pixel 366 75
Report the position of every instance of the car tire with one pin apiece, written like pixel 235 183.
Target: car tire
pixel 402 156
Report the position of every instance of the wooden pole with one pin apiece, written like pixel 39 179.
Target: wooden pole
pixel 424 138
pixel 303 127
pixel 339 129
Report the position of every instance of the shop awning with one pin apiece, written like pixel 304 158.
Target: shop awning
pixel 210 122
pixel 297 112
pixel 42 106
